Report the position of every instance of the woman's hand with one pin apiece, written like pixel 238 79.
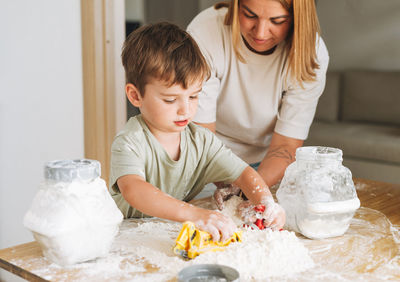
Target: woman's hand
pixel 220 226
pixel 273 216
pixel 223 193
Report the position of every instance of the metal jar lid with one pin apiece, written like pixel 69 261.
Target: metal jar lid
pixel 208 272
pixel 71 170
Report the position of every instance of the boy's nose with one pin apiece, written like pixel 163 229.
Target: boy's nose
pixel 183 108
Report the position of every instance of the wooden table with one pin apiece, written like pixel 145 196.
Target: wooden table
pixel 383 197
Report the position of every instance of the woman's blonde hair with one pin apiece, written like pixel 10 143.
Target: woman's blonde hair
pixel 301 39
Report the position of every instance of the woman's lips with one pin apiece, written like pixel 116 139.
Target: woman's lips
pixel 259 41
pixel 181 122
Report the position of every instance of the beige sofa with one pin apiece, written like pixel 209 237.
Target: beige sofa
pixel 359 112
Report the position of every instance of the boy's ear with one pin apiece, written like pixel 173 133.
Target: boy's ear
pixel 133 95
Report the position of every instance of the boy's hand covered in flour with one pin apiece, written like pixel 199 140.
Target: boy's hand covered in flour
pixel 220 226
pixel 273 216
pixel 258 193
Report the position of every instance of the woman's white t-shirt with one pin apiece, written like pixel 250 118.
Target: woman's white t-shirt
pixel 249 101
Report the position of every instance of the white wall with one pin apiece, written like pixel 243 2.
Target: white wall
pixel 41 101
pixel 363 34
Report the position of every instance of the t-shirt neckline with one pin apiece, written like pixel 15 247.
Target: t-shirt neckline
pixel 258 59
pixel 160 148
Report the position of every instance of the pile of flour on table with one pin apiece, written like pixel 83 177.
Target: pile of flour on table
pixel 261 254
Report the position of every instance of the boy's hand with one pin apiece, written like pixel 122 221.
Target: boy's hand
pixel 273 216
pixel 223 193
pixel 220 226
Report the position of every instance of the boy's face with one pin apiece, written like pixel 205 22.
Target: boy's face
pixel 167 109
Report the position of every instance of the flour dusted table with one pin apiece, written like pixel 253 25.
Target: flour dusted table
pixel 338 254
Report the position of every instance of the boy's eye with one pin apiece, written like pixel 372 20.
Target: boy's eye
pixel 169 101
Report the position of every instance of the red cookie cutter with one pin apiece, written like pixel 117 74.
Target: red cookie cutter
pixel 259 223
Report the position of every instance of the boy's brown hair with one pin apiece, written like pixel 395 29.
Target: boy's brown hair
pixel 162 51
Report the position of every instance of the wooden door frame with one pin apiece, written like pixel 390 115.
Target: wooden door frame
pixel 103 32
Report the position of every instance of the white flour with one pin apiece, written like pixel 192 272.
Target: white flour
pixel 324 228
pixel 73 221
pixel 368 252
pixel 262 254
pixel 230 209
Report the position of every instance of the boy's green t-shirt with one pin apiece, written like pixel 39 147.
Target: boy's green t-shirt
pixel 203 159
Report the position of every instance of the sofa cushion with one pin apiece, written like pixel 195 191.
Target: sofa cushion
pixel 328 104
pixel 363 141
pixel 372 96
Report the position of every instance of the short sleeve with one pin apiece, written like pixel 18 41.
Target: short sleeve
pixel 223 164
pixel 299 104
pixel 126 158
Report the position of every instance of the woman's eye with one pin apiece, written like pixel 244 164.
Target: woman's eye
pixel 249 16
pixel 194 97
pixel 169 101
pixel 279 22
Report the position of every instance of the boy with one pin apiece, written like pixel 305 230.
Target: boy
pixel 161 160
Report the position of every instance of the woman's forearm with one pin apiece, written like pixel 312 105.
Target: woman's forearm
pixel 281 153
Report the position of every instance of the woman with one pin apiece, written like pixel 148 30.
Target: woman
pixel 268 70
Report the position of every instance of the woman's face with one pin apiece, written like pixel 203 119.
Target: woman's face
pixel 263 23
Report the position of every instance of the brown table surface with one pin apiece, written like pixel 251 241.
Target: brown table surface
pixel 380 196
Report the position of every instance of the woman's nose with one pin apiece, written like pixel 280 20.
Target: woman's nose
pixel 261 29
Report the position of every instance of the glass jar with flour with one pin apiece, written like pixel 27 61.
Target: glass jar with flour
pixel 318 193
pixel 73 217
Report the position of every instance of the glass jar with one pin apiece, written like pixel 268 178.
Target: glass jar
pixel 318 193
pixel 73 217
